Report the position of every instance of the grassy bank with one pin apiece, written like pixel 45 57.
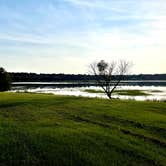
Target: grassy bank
pixel 40 129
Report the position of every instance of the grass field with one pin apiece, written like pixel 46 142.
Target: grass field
pixel 40 129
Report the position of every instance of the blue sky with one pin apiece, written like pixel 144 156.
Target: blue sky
pixel 64 36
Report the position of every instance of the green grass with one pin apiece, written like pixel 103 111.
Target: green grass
pixel 121 92
pixel 40 129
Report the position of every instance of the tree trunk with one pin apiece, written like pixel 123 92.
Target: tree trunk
pixel 109 95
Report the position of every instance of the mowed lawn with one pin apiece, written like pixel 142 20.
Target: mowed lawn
pixel 40 129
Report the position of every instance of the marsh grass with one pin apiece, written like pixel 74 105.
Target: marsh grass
pixel 121 92
pixel 156 91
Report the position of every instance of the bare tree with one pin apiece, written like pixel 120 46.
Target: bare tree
pixel 104 73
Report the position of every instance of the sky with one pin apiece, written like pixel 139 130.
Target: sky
pixel 65 36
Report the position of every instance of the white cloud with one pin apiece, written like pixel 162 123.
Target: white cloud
pixel 90 30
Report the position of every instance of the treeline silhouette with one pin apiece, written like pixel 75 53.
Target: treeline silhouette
pixel 34 77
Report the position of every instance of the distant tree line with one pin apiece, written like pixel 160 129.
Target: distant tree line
pixel 33 77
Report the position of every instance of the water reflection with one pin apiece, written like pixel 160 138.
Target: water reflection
pixel 155 92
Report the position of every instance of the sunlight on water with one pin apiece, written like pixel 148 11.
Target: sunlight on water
pixel 156 92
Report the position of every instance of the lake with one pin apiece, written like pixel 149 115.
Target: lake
pixel 155 89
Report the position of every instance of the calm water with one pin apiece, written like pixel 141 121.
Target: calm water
pixel 156 92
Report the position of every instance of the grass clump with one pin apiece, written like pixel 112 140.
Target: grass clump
pixel 121 92
pixel 41 129
pixel 156 91
pixel 93 91
pixel 131 92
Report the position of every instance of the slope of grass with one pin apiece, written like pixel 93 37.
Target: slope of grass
pixel 40 129
pixel 121 92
